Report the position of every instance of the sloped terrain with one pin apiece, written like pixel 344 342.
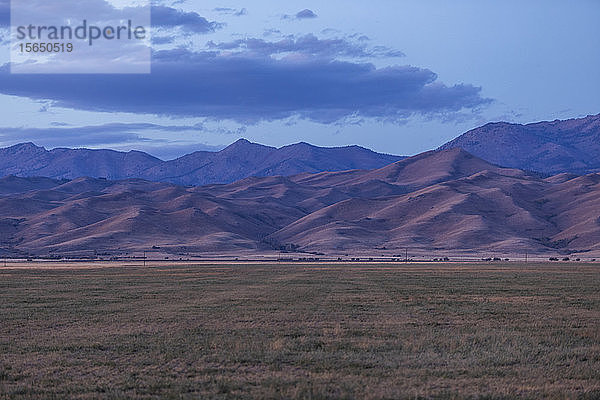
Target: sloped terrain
pixel 551 148
pixel 446 200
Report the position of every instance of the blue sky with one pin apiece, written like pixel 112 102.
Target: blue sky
pixel 396 76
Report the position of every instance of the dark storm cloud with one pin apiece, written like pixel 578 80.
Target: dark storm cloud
pixel 251 89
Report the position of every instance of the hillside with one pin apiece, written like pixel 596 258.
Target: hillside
pixel 571 146
pixel 436 201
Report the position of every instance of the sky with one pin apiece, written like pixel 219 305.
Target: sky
pixel 396 76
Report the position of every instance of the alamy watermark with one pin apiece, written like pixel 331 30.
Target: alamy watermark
pixel 83 36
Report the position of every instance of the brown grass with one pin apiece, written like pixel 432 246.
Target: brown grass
pixel 301 332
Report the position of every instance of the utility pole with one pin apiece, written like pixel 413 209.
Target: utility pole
pixel 144 259
pixel 406 255
pixel 526 257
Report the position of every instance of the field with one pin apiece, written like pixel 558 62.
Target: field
pixel 310 331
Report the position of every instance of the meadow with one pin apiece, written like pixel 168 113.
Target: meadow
pixel 310 331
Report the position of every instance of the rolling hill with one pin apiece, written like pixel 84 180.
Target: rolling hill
pixel 437 201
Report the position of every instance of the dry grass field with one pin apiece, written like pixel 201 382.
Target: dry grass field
pixel 301 332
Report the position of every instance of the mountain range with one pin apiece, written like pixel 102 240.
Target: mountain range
pixel 534 190
pixel 239 160
pixel 551 148
pixel 434 202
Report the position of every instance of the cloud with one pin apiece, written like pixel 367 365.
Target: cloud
pixel 57 137
pixel 251 89
pixel 118 136
pixel 231 11
pixel 118 55
pixel 307 44
pixel 167 17
pixel 162 16
pixel 306 14
pixel 61 135
pixel 158 40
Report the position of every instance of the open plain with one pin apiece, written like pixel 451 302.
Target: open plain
pixel 301 331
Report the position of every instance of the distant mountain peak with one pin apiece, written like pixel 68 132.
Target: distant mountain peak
pixel 241 141
pixel 547 147
pixel 243 145
pixel 26 145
